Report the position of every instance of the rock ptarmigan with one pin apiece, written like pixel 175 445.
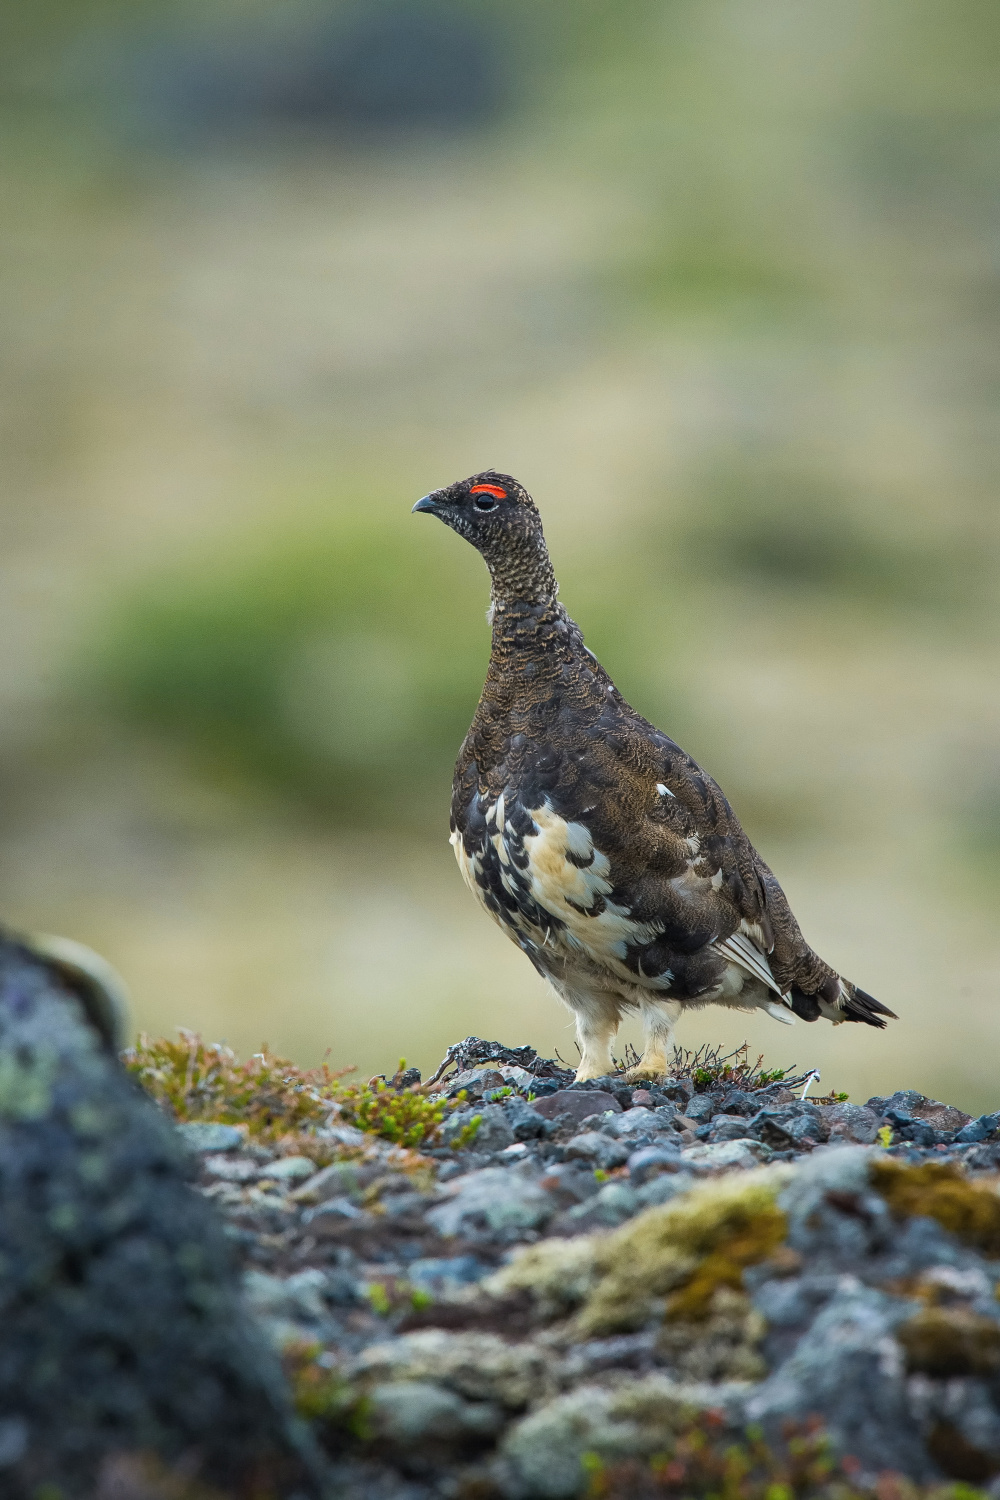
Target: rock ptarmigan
pixel 602 849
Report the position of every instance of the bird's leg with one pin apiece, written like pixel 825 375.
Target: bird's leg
pixel 596 1025
pixel 658 1018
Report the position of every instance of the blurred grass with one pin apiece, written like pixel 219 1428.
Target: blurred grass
pixel 718 282
pixel 337 666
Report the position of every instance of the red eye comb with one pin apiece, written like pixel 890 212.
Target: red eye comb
pixel 489 489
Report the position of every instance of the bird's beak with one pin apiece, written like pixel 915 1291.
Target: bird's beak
pixel 428 502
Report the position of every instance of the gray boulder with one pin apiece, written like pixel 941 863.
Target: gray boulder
pixel 125 1336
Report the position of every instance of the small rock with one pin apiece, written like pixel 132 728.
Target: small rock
pixel 725 1155
pixel 650 1161
pixel 203 1136
pixel 736 1102
pixel 982 1129
pixel 545 1451
pixel 334 1209
pixel 494 1132
pixel 527 1123
pixel 700 1109
pixel 569 1183
pixel 230 1168
pixel 345 1135
pixel 437 1273
pixel 638 1121
pixel 611 1205
pixel 477 1366
pixel 662 1189
pixel 408 1412
pixel 599 1149
pixel 498 1198
pixel 339 1179
pixel 298 1297
pixel 852 1122
pixel 289 1169
pixel 725 1128
pixel 579 1103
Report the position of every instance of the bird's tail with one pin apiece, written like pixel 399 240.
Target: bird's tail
pixel 856 1005
pixel 847 1003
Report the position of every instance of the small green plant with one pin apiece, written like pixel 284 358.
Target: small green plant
pixel 703 1463
pixel 320 1394
pixel 197 1080
pixel 379 1299
pixel 885 1135
pixel 710 1068
pixel 279 1103
pixel 404 1116
pixel 467 1135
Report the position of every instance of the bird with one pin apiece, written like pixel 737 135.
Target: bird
pixel 602 849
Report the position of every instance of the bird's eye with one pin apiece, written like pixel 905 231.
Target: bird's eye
pixel 483 502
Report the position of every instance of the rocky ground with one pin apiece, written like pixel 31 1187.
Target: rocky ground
pixel 535 1304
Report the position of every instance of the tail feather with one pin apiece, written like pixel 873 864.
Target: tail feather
pixel 859 1006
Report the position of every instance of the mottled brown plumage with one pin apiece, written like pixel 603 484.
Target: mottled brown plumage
pixel 602 849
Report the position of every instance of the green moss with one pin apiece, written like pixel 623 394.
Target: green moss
pixel 946 1341
pixel 279 1103
pixel 557 1274
pixel 938 1190
pixel 404 1116
pixel 197 1080
pixel 684 1252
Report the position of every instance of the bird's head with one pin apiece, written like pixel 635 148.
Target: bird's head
pixel 500 519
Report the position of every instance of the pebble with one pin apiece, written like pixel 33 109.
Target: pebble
pixel 203 1136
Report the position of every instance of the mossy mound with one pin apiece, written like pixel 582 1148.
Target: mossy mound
pixel 685 1252
pixel 940 1191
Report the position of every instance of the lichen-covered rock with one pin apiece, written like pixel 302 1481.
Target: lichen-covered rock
pixel 419 1416
pixel 494 1198
pixel 695 1243
pixel 477 1366
pixel 557 1275
pixel 543 1454
pixel 462 1320
pixel 123 1328
pixel 849 1369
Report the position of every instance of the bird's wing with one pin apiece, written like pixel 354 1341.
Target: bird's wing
pixel 739 949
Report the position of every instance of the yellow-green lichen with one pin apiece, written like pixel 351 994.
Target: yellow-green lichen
pixel 683 1252
pixel 557 1274
pixel 939 1190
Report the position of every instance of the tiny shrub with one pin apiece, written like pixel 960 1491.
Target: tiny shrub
pixel 704 1462
pixel 279 1102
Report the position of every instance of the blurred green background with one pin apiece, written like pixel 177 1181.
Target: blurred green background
pixel 719 282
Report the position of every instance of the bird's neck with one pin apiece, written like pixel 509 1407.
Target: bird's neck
pixel 531 625
pixel 524 598
pixel 521 577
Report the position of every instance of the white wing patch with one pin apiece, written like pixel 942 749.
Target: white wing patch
pixel 739 950
pixel 561 887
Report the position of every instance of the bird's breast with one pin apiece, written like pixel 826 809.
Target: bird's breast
pixel 541 876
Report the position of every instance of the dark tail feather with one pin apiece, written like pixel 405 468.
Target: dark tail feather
pixel 862 1007
pixel 806 1007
